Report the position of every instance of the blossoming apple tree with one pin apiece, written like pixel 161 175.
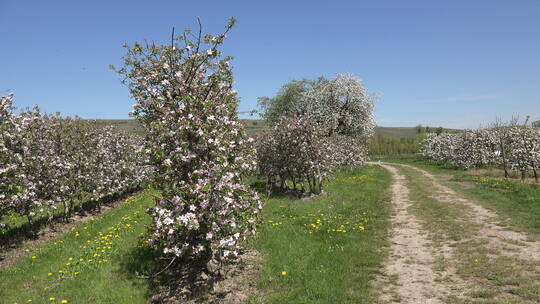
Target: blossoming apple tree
pixel 188 107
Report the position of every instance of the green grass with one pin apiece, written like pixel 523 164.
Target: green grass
pixel 18 229
pixel 254 126
pixel 520 202
pixel 55 270
pixel 326 249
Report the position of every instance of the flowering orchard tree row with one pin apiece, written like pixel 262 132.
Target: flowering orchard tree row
pixel 186 103
pixel 48 161
pixel 512 147
pixel 330 129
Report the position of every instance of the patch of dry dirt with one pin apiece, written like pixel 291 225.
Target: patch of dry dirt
pixel 234 284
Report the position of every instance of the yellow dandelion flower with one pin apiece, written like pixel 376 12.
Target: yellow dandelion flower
pixel 64 301
pixel 51 299
pixel 283 273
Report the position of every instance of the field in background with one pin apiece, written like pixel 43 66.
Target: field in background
pixel 386 141
pixel 127 125
pixel 255 126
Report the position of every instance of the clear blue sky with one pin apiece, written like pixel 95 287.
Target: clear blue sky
pixel 450 63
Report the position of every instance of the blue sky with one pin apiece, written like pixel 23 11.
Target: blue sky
pixel 450 63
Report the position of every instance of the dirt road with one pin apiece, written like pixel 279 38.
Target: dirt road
pixel 446 248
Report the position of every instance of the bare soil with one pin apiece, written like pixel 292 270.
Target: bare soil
pixel 234 283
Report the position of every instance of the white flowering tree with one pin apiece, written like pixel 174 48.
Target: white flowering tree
pixel 475 148
pixel 194 139
pixel 524 152
pixel 346 151
pixel 341 106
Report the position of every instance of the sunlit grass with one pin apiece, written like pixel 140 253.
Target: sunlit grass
pixel 326 249
pixel 85 264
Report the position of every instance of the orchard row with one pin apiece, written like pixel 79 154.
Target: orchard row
pixel 511 147
pixel 51 163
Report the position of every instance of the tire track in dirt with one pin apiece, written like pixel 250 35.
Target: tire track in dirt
pixel 412 260
pixel 509 243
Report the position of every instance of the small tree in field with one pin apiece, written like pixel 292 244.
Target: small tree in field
pixel 294 150
pixel 186 103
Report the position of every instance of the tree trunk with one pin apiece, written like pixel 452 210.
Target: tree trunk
pixel 66 210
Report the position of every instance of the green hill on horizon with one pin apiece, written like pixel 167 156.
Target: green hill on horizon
pixel 255 126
